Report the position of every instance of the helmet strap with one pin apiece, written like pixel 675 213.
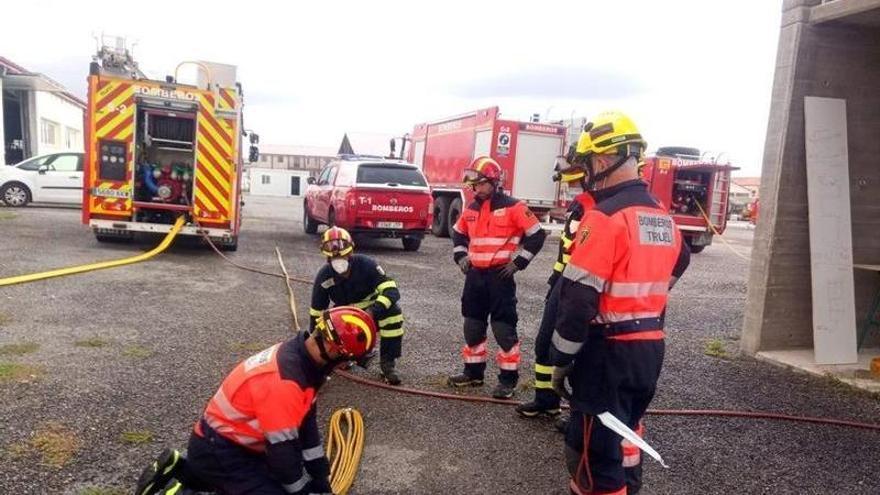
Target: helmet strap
pixel 624 155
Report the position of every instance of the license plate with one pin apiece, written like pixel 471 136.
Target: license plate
pixel 389 225
pixel 110 193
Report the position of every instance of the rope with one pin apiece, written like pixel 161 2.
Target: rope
pixel 712 226
pixel 289 289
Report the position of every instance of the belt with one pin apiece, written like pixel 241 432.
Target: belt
pixel 610 330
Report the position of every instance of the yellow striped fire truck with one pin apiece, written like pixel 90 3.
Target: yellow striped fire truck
pixel 156 150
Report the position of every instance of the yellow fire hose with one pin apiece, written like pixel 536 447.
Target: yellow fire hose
pixel 345 440
pixel 20 279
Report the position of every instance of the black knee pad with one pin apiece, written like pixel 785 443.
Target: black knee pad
pixel 505 335
pixel 474 331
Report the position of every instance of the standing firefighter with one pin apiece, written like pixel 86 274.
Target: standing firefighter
pixel 259 433
pixel 350 279
pixel 609 339
pixel 546 399
pixel 486 237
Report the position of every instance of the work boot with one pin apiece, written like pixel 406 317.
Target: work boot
pixel 503 390
pixel 464 380
pixel 155 476
pixel 534 408
pixel 561 424
pixel 388 374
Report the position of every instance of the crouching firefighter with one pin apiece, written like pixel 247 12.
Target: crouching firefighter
pixel 259 433
pixel 494 237
pixel 546 400
pixel 350 279
pixel 609 339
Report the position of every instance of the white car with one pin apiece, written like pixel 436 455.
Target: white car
pixel 52 178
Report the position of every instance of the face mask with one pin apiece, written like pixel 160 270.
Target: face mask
pixel 340 265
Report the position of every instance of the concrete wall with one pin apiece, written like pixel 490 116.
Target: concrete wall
pixel 61 111
pixel 830 60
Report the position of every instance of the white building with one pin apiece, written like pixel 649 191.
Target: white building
pixel 303 158
pixel 38 115
pixel 276 182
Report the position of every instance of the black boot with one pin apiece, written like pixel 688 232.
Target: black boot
pixel 546 402
pixel 504 390
pixel 388 373
pixel 561 424
pixel 155 476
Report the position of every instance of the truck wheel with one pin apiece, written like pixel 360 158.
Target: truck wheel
pixel 454 213
pixel 440 226
pixel 15 194
pixel 229 246
pixel 310 226
pixel 694 249
pixel 412 243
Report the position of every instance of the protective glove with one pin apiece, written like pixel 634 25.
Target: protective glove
pixel 464 264
pixel 508 270
pixel 560 373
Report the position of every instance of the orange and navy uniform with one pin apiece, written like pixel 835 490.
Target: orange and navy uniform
pixel 266 406
pixel 579 205
pixel 612 299
pixel 493 233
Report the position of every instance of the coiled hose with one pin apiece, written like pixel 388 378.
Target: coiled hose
pixel 345 446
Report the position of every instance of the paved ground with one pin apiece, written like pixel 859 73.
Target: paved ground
pixel 140 349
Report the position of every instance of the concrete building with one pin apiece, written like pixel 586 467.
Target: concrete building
pixel 38 115
pixel 828 49
pixel 276 182
pixel 302 158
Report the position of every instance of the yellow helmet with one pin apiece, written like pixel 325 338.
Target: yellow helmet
pixel 566 169
pixel 335 242
pixel 611 132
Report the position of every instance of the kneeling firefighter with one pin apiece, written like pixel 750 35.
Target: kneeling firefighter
pixel 546 400
pixel 494 237
pixel 609 339
pixel 350 279
pixel 259 433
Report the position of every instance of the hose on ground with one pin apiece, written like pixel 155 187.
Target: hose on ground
pixel 656 412
pixel 345 446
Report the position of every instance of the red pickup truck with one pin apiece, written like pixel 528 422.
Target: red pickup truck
pixel 371 196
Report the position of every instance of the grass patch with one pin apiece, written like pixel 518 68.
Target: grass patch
pixel 55 443
pixel 4 318
pixel 92 342
pixel 136 437
pixel 247 346
pixel 138 352
pixel 17 372
pixel 99 490
pixel 7 215
pixel 715 348
pixel 18 349
pixel 526 385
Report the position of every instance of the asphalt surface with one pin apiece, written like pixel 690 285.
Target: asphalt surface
pixel 165 332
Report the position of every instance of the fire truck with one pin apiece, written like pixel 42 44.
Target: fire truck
pixel 156 150
pixel 526 151
pixel 693 190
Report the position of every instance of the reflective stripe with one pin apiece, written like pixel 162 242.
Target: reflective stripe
pixel 491 256
pixel 277 436
pixel 528 255
pixel 566 258
pixel 573 225
pixel 564 345
pixel 363 304
pixel 314 312
pixel 229 432
pixel 388 334
pixel 174 489
pixel 388 284
pixel 543 384
pixel 455 228
pixel 508 360
pixel 313 453
pixel 227 408
pixel 558 267
pixel 384 301
pixel 649 335
pixel 543 368
pixel 584 277
pixel 533 229
pixel 612 317
pixel 494 241
pixel 637 289
pixel 460 249
pixel 299 484
pixel 566 242
pixel 254 423
pixel 475 354
pixel 390 320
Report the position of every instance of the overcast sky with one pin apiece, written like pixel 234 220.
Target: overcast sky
pixel 689 72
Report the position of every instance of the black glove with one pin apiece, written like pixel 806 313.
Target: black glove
pixel 464 264
pixel 508 270
pixel 560 373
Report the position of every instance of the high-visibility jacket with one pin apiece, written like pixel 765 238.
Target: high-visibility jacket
pixel 266 405
pixel 491 232
pixel 627 253
pixel 579 205
pixel 367 285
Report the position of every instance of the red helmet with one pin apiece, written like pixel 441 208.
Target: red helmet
pixel 336 241
pixel 347 330
pixel 482 169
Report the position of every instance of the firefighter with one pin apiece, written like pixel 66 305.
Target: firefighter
pixel 609 339
pixel 350 279
pixel 494 237
pixel 546 400
pixel 259 433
